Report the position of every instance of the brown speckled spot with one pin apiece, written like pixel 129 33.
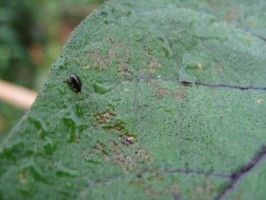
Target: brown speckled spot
pixel 105 117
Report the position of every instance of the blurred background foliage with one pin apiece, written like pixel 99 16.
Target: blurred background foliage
pixel 32 35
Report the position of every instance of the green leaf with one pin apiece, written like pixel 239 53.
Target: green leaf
pixel 172 106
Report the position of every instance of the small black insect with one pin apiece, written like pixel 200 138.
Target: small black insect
pixel 75 83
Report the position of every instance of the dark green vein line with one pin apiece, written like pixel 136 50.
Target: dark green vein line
pixel 209 85
pixel 204 173
pixel 234 178
pixel 187 83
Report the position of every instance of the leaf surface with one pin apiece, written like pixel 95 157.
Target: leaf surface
pixel 172 106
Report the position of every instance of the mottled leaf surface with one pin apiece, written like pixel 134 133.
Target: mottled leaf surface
pixel 172 106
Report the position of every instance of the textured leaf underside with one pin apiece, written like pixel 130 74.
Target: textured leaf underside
pixel 172 106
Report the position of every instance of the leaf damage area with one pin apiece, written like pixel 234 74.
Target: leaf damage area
pixel 177 94
pixel 123 140
pixel 104 117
